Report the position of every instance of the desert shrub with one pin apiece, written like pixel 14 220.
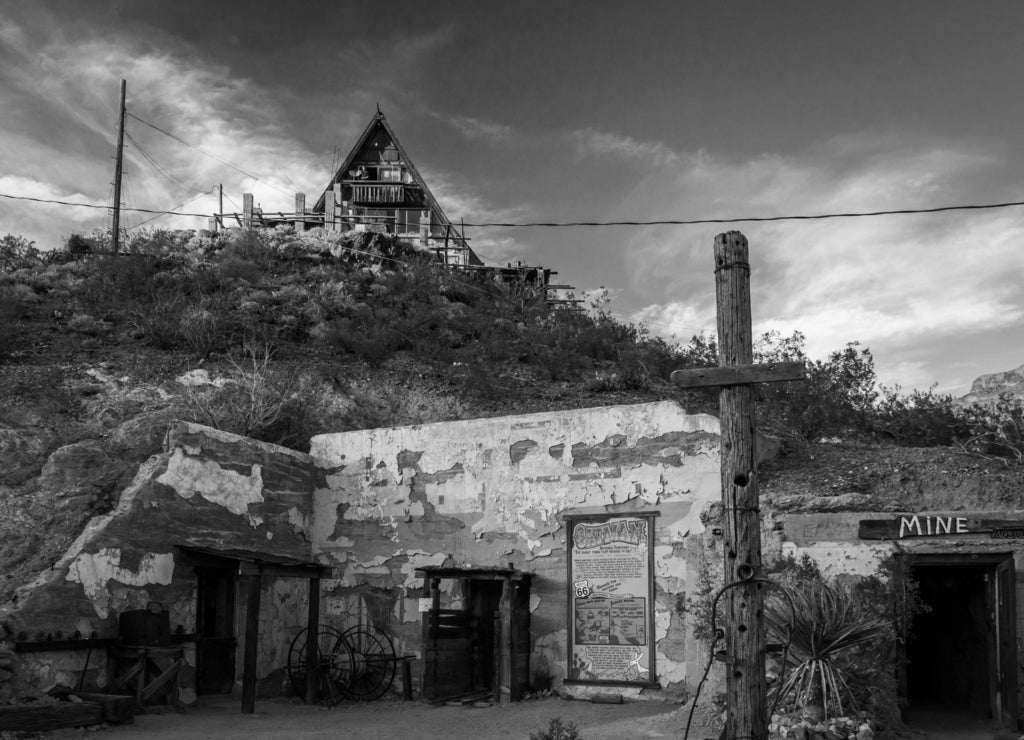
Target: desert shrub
pixel 17 252
pixel 253 400
pixel 250 245
pixel 557 731
pixel 201 330
pixel 158 323
pixel 236 269
pixel 11 310
pixel 995 429
pixel 83 323
pixel 842 635
pixel 77 244
pixel 118 284
pixel 153 242
pixel 823 626
pixel 919 419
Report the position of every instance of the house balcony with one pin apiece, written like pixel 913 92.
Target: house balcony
pixel 376 193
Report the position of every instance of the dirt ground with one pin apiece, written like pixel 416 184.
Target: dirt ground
pixel 276 719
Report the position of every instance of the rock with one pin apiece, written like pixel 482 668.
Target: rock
pixel 142 435
pixel 22 453
pixel 800 732
pixel 865 733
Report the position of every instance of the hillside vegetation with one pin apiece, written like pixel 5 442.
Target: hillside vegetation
pixel 282 336
pixel 302 333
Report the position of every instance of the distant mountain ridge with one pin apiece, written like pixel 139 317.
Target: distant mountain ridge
pixel 988 388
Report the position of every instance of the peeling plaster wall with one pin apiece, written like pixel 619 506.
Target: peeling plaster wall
pixel 208 489
pixel 491 492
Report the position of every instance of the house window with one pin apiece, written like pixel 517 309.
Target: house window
pixel 391 174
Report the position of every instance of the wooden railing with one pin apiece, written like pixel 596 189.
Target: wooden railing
pixel 363 192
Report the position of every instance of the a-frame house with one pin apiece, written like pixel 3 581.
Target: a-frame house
pixel 378 188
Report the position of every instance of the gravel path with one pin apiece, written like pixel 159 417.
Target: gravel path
pixel 275 719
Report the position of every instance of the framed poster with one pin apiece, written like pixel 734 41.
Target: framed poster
pixel 611 592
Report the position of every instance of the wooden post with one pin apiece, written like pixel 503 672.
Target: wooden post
pixel 312 640
pixel 424 228
pixel 744 639
pixel 220 207
pixel 300 211
pixel 746 689
pixel 247 210
pixel 329 210
pixel 252 628
pixel 115 236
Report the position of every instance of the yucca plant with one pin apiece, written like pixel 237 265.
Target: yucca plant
pixel 823 628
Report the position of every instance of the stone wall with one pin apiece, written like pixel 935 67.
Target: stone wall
pixel 490 492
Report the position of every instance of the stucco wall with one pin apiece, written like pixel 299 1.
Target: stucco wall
pixel 491 491
pixel 208 489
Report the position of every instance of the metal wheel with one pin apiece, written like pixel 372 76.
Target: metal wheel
pixel 374 662
pixel 334 664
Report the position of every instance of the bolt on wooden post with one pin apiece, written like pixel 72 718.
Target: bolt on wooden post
pixel 746 690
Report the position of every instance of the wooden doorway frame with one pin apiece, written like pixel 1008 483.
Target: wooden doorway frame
pixel 1001 598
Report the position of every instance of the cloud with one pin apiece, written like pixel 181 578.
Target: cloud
pixel 65 123
pixel 461 202
pixel 592 143
pixel 907 286
pixel 475 128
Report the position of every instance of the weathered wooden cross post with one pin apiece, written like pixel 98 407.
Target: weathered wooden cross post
pixel 744 629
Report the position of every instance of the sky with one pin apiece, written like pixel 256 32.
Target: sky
pixel 565 111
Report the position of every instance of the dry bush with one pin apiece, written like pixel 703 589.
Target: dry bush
pixel 252 401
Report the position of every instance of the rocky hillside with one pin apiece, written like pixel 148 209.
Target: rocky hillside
pixel 988 388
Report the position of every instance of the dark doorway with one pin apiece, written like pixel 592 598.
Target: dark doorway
pixel 961 650
pixel 215 629
pixel 479 644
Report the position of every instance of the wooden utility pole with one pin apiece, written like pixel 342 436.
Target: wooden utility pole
pixel 746 690
pixel 118 162
pixel 220 207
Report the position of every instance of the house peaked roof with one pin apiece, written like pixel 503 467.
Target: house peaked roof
pixel 378 123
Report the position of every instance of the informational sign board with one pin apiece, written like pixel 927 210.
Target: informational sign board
pixel 611 590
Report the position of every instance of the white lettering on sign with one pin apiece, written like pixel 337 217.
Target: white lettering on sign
pixel 919 526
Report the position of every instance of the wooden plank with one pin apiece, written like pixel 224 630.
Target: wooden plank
pixel 312 635
pixel 252 628
pixel 163 679
pixel 904 526
pixel 775 372
pixel 51 716
pixel 38 646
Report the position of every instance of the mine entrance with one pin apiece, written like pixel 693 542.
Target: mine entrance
pixel 961 651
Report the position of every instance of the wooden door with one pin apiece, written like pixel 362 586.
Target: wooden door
pixel 215 630
pixel 1005 609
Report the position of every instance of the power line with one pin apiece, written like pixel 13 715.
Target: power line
pixel 208 154
pixel 743 219
pixel 103 207
pixel 160 169
pixel 906 211
pixel 161 215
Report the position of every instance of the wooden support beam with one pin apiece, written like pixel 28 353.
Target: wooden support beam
pixel 247 210
pixel 312 641
pixel 252 628
pixel 740 375
pixel 746 690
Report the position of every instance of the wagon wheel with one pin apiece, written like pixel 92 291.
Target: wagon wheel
pixel 373 657
pixel 334 664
